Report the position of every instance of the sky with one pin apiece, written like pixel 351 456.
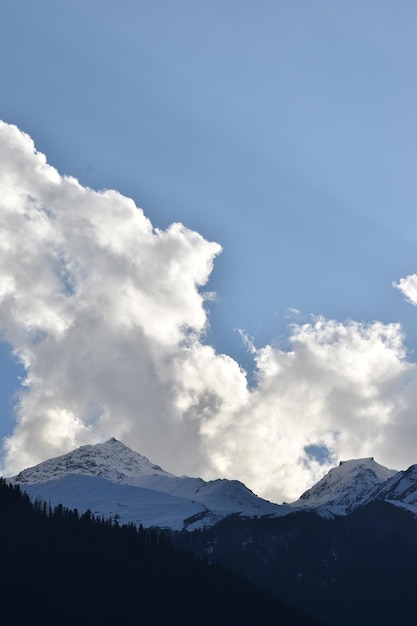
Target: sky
pixel 208 234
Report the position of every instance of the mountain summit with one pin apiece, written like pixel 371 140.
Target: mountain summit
pixel 111 460
pixel 112 480
pixel 345 487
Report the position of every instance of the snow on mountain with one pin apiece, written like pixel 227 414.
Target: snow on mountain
pixel 400 489
pixel 218 495
pixel 111 460
pixel 119 502
pixel 345 487
pixel 111 479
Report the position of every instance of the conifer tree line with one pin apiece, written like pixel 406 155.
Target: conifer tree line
pixel 62 568
pixel 356 569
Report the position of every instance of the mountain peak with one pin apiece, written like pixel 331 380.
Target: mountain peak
pixel 111 479
pixel 112 460
pixel 359 461
pixel 346 486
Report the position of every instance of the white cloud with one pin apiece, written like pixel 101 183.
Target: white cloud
pixel 98 305
pixel 341 387
pixel 408 286
pixel 107 314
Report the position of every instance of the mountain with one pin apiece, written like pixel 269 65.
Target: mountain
pixel 359 568
pixel 62 568
pixel 111 460
pixel 115 482
pixel 346 550
pixel 346 487
pixel 400 490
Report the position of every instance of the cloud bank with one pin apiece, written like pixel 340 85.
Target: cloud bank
pixel 107 315
pixel 408 286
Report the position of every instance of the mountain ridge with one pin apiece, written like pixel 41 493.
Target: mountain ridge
pixel 178 502
pixel 345 487
pixel 332 552
pixel 116 482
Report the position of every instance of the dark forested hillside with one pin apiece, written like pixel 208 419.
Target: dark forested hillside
pixel 61 568
pixel 360 569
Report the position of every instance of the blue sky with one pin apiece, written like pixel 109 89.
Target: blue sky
pixel 285 131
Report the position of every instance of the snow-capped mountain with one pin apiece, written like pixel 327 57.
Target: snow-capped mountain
pixel 346 487
pixel 115 482
pixel 112 480
pixel 111 460
pixel 400 489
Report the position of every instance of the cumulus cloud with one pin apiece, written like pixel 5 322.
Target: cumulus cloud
pixel 107 315
pixel 408 286
pixel 101 309
pixel 340 390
